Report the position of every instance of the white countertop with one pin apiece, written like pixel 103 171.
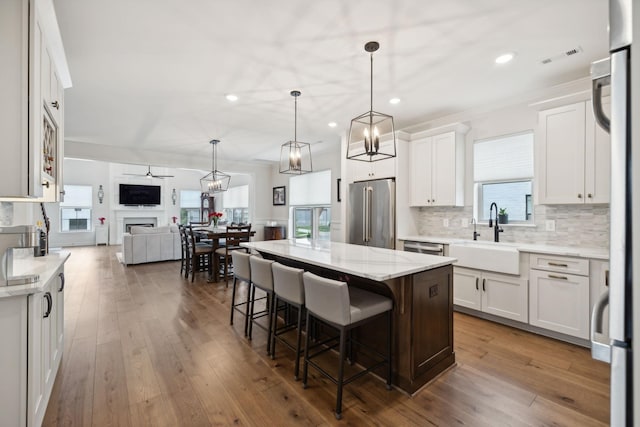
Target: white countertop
pixel 363 261
pixel 44 266
pixel 592 253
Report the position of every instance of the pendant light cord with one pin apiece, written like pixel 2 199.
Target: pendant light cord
pixel 295 119
pixel 371 105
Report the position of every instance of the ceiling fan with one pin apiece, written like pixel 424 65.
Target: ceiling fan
pixel 149 174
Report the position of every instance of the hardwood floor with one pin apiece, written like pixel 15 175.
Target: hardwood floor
pixel 144 346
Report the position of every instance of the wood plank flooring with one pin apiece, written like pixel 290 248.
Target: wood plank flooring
pixel 145 347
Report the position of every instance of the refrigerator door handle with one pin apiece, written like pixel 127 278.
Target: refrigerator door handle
pixel 598 111
pixel 599 351
pixel 369 209
pixel 364 214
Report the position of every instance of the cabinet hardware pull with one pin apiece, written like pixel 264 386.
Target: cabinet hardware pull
pixel 477 279
pixel 55 105
pixel 553 276
pixel 47 296
pixel 45 184
pixel 579 195
pixel 589 195
pixel 484 289
pixel 558 264
pixel 61 275
pixel 606 278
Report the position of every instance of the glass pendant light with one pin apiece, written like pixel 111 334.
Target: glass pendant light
pixel 372 134
pixel 295 156
pixel 216 181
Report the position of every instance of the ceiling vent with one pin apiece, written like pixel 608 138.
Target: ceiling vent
pixel 563 55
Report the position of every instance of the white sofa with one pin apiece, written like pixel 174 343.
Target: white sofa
pixel 151 244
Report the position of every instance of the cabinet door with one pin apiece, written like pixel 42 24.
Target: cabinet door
pixel 420 172
pixel 13 361
pixel 505 296
pixel 597 173
pixel 559 302
pixel 443 170
pixel 384 168
pixel 39 351
pixel 561 154
pixel 361 170
pixel 466 288
pixel 59 321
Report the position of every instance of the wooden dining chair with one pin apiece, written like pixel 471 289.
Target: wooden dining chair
pixel 201 254
pixel 235 236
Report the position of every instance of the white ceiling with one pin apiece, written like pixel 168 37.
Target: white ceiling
pixel 153 74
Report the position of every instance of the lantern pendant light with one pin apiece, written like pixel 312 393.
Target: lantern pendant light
pixel 295 156
pixel 372 134
pixel 216 181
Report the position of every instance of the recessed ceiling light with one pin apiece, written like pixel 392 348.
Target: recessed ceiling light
pixel 333 124
pixel 505 57
pixel 394 101
pixel 231 97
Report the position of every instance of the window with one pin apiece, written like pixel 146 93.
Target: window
pixel 310 200
pixel 235 202
pixel 503 173
pixel 189 206
pixel 75 211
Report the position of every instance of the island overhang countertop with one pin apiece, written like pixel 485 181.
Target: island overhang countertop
pixel 377 264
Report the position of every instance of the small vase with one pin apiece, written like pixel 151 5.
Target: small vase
pixel 503 218
pixel 215 223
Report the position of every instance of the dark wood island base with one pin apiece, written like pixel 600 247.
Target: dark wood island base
pixel 422 342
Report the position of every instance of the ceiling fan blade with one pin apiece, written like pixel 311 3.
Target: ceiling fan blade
pixel 134 174
pixel 162 176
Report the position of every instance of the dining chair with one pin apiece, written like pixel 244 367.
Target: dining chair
pixel 235 236
pixel 343 308
pixel 201 254
pixel 185 259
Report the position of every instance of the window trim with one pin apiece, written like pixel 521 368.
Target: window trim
pixel 478 201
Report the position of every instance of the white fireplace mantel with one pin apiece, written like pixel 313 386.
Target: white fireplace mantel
pixel 143 212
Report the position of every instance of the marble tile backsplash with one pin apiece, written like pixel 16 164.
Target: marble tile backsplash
pixel 6 213
pixel 575 225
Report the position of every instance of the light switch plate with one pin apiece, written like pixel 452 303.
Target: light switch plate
pixel 445 222
pixel 550 225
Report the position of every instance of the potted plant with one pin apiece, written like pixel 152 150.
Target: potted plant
pixel 503 216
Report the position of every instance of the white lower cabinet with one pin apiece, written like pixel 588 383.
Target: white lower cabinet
pixel 32 333
pixel 559 301
pixel 498 294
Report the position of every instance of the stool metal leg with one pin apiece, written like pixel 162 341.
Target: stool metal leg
pixel 343 339
pixel 299 338
pixel 305 367
pixel 233 298
pixel 389 366
pixel 253 303
pixel 247 308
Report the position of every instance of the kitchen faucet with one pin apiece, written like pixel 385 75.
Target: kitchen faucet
pixel 496 229
pixel 475 233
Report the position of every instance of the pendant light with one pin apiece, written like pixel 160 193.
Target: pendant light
pixel 372 134
pixel 295 156
pixel 216 181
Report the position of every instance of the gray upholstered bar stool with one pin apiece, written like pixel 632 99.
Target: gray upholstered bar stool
pixel 288 287
pixel 344 308
pixel 261 278
pixel 241 273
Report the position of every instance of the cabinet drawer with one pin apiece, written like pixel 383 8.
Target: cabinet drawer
pixel 559 264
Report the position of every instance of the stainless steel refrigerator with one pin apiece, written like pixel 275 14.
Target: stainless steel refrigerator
pixel 620 72
pixel 372 213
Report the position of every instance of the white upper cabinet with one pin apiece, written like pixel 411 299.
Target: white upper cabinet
pixel 364 171
pixel 573 156
pixel 31 115
pixel 437 167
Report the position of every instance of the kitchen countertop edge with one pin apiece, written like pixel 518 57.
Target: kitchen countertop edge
pixel 591 253
pixel 45 267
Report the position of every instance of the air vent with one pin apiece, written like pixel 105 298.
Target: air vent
pixel 563 55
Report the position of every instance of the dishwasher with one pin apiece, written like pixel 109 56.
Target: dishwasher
pixel 426 248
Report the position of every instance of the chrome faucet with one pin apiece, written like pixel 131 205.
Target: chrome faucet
pixel 475 233
pixel 496 229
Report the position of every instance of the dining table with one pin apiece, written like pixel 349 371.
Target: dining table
pixel 216 234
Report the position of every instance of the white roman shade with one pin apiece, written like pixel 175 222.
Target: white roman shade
pixel 190 198
pixel 236 197
pixel 310 189
pixel 505 158
pixel 77 196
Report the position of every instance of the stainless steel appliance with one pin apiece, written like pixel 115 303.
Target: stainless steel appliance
pixel 11 238
pixel 425 247
pixel 372 213
pixel 624 127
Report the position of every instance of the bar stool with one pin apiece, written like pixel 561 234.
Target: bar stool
pixel 344 308
pixel 288 287
pixel 261 278
pixel 241 273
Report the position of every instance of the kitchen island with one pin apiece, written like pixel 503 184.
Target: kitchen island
pixel 421 287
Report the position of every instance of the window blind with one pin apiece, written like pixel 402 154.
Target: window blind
pixel 236 197
pixel 503 159
pixel 77 196
pixel 190 198
pixel 310 189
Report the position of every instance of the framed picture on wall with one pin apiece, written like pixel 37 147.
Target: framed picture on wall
pixel 279 196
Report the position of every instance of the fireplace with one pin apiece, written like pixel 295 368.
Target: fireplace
pixel 126 218
pixel 127 226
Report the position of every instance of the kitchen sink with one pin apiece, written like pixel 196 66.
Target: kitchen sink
pixel 489 256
